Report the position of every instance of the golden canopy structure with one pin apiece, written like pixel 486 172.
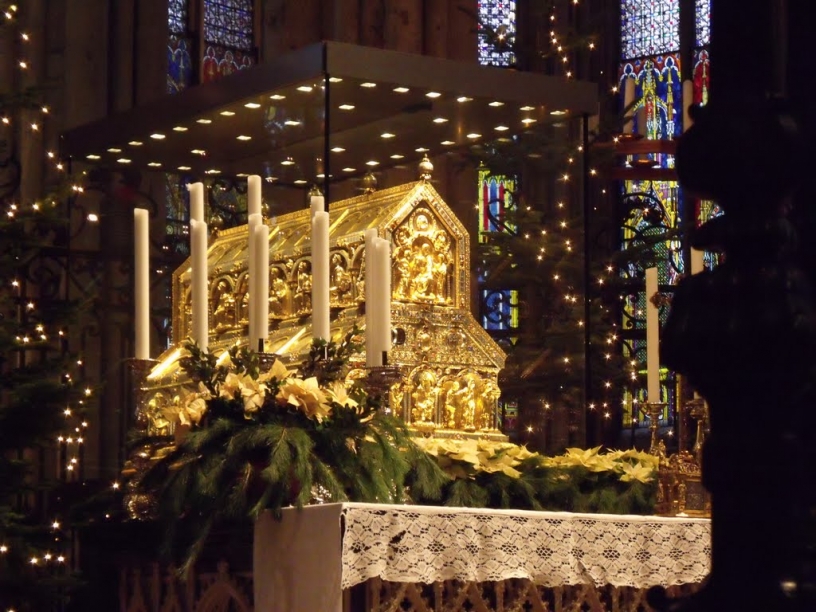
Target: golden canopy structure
pixel 449 364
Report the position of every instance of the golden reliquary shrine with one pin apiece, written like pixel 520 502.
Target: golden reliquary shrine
pixel 448 364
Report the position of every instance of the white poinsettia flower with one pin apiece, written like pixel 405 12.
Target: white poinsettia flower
pixel 339 394
pixel 252 393
pixel 193 409
pixel 305 395
pixel 277 371
pixel 637 471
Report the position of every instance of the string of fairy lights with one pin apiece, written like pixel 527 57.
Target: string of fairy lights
pixel 34 335
pixel 566 46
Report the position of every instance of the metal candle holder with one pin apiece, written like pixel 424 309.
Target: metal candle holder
pixel 139 369
pixel 653 411
pixel 380 379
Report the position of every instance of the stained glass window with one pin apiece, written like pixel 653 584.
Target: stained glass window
pixel 229 23
pixel 701 76
pixel 702 19
pixel 649 27
pixel 658 92
pixel 500 307
pixel 179 61
pixel 497 26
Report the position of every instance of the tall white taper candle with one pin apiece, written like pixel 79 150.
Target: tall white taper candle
pixel 652 339
pixel 688 99
pixel 261 298
pixel 196 201
pixel 255 220
pixel 373 358
pixel 382 296
pixel 317 204
pixel 141 288
pixel 253 194
pixel 628 100
pixel 320 274
pixel 198 282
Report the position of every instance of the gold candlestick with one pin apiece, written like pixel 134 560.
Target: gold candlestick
pixel 698 409
pixel 379 381
pixel 653 411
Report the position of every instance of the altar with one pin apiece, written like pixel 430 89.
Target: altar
pixel 489 559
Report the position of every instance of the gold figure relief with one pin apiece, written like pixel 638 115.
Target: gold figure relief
pixel 424 398
pixel 488 406
pixel 224 300
pixel 278 290
pixel 341 285
pixel 242 298
pixel 422 260
pixel 303 287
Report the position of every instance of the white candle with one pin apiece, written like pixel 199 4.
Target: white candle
pixel 141 287
pixel 373 358
pixel 382 296
pixel 697 261
pixel 652 338
pixel 253 195
pixel 196 201
pixel 628 100
pixel 261 299
pixel 320 274
pixel 200 297
pixel 317 204
pixel 255 220
pixel 688 99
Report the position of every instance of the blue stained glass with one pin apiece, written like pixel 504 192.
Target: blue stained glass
pixel 179 64
pixel 659 92
pixel 498 17
pixel 649 27
pixel 702 19
pixel 177 16
pixel 229 23
pixel 501 309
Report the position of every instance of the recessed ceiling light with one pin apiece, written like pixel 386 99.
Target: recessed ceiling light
pixel 448 142
pixel 252 105
pixel 227 113
pixel 242 175
pixel 346 107
pixel 277 97
pixel 179 128
pixel 401 89
pixel 558 113
pixel 527 108
pixel 337 149
pixel 184 168
pixel 157 136
pixel 501 128
pixel 397 156
pixel 198 152
pixel 528 121
pixel 123 160
pixel 463 99
pixel 212 171
pixel 204 121
pixel 372 163
pixel 321 175
pixel 386 135
pixel 368 84
pixel 300 182
pixel 114 150
pixel 440 120
pixel 496 103
pixel 92 156
pixel 305 88
pixel 334 79
pixel 154 164
pixel 421 150
pixel 135 143
pixel 348 169
pixel 271 179
pixel 433 94
pixel 288 162
pixel 474 135
pixel 291 122
pixel 243 137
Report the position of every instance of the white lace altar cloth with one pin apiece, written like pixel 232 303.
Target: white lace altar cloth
pixel 429 544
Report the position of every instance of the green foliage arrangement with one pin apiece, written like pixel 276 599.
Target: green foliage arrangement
pixel 262 438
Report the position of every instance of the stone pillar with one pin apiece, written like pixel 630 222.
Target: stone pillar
pixel 290 25
pixel 404 25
